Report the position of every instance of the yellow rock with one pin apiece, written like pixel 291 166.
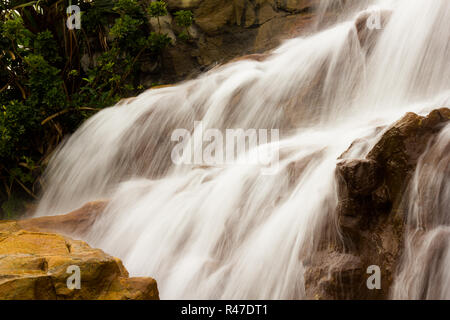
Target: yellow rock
pixel 33 265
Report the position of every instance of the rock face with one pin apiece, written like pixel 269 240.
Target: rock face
pixel 226 29
pixel 370 213
pixel 34 265
pixel 222 30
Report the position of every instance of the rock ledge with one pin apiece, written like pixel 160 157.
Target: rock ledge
pixel 33 265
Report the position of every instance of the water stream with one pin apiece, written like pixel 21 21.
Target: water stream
pixel 229 231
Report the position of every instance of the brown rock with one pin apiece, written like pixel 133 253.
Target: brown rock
pixel 360 177
pixel 213 15
pixel 370 215
pixel 367 37
pixel 401 146
pixel 333 275
pixel 183 4
pixel 74 223
pixel 296 5
pixel 225 30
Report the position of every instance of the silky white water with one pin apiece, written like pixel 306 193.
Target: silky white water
pixel 230 231
pixel 425 272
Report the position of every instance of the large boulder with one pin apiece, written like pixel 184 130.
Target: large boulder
pixel 370 214
pixel 34 265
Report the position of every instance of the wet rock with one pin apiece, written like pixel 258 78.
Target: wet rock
pixel 400 147
pixel 76 222
pixel 368 35
pixel 360 177
pixel 370 215
pixel 343 272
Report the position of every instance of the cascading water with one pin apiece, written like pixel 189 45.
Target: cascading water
pixel 424 273
pixel 229 231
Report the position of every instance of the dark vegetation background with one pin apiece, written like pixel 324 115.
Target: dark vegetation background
pixel 49 85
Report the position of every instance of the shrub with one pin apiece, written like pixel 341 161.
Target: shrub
pixel 44 91
pixel 184 19
pixel 156 10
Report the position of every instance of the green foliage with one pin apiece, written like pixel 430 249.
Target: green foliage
pixel 158 41
pixel 11 207
pixel 184 36
pixel 14 30
pixel 46 46
pixel 52 78
pixel 18 122
pixel 129 7
pixel 157 9
pixel 44 83
pixel 184 18
pixel 126 31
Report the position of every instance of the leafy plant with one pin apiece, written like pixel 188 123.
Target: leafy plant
pixel 158 41
pixel 184 19
pixel 156 10
pixel 53 78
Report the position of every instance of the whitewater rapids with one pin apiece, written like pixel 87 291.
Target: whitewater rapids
pixel 229 232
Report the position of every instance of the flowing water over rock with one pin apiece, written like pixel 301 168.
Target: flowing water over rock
pixel 231 232
pixel 425 272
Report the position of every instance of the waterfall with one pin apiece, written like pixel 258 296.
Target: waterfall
pixel 230 231
pixel 424 273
